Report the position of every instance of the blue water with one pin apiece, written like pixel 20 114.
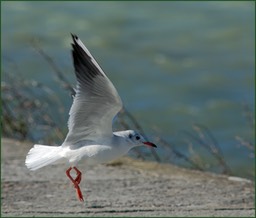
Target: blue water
pixel 174 63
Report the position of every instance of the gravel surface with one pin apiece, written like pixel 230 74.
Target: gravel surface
pixel 125 187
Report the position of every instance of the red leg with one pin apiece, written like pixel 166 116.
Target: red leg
pixel 79 175
pixel 76 184
pixel 79 194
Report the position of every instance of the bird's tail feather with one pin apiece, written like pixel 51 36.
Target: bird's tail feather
pixel 42 155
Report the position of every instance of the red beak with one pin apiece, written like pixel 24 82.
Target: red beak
pixel 150 144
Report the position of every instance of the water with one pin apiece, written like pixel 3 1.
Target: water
pixel 173 63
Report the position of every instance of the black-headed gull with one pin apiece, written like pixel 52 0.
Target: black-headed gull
pixel 90 135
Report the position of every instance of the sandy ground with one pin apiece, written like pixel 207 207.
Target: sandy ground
pixel 124 188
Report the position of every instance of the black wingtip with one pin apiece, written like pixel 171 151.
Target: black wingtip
pixel 85 68
pixel 74 37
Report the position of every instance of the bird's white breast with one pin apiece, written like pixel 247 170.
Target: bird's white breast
pixel 94 153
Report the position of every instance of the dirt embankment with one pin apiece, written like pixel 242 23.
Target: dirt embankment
pixel 123 188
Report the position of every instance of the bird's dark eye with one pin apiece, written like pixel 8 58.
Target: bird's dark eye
pixel 130 136
pixel 137 137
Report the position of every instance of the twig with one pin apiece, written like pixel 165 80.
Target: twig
pixel 50 61
pixel 213 147
pixel 179 154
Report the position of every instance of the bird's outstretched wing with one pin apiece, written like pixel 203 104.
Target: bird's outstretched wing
pixel 96 101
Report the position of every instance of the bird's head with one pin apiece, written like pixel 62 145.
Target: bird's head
pixel 137 139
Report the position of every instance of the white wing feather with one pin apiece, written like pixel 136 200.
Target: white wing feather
pixel 96 101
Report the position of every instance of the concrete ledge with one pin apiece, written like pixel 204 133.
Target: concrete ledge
pixel 125 187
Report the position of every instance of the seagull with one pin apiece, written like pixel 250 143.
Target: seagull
pixel 90 137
